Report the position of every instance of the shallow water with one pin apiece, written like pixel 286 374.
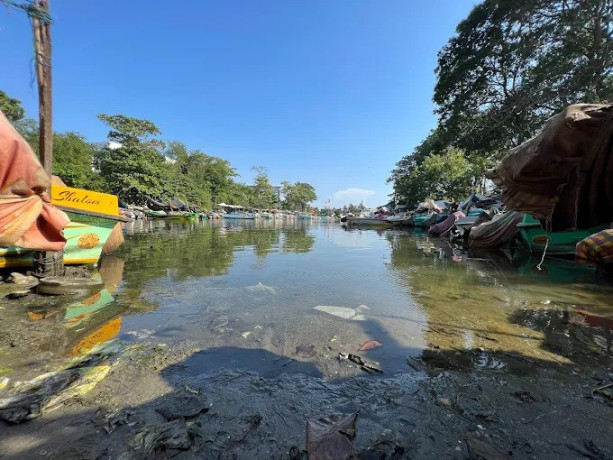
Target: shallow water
pixel 281 298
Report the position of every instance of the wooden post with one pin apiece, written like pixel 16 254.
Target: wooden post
pixel 42 49
pixel 45 262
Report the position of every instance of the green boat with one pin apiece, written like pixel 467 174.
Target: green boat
pixel 159 214
pixel 534 238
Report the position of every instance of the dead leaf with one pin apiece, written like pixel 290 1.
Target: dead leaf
pixel 330 438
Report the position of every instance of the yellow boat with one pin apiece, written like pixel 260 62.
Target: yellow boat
pixel 94 228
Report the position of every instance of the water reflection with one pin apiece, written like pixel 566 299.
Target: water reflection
pixel 59 327
pixel 482 304
pixel 268 288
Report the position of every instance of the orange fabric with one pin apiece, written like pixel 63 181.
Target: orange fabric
pixel 27 218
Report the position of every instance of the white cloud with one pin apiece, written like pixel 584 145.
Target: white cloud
pixel 350 195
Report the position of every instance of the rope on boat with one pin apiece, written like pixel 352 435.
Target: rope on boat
pixel 543 256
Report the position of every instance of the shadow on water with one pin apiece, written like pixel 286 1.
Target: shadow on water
pixel 254 360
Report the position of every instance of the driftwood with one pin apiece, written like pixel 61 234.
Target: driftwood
pixel 562 176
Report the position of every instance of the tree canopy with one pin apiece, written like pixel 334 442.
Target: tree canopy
pixel 11 108
pixel 134 167
pixel 298 195
pixel 263 196
pixel 509 67
pixel 137 166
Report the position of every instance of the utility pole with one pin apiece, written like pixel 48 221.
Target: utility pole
pixel 41 27
pixel 45 262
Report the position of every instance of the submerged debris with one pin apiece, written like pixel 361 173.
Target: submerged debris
pixel 605 390
pixel 189 407
pixel 369 345
pixel 261 289
pixel 365 365
pixel 354 314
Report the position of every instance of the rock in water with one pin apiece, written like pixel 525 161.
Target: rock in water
pixel 65 285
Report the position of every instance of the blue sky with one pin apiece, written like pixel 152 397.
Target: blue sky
pixel 329 92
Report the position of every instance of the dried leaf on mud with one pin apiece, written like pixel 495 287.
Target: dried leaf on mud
pixel 331 437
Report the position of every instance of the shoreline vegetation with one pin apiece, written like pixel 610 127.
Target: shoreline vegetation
pixel 139 168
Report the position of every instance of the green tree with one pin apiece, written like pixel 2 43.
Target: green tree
pixel 73 157
pixel 448 175
pixel 133 164
pixel 263 196
pixel 511 65
pixel 297 196
pixel 72 162
pixel 11 107
pixel 433 144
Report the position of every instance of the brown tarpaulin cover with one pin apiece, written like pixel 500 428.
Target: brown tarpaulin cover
pixel 564 175
pixel 27 219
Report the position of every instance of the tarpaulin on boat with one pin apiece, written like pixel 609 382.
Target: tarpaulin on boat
pixel 27 219
pixel 563 175
pixel 445 225
pixel 596 248
pixel 495 233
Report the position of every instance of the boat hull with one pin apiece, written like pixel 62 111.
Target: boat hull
pixel 238 215
pixel 85 237
pixel 535 238
pixel 367 222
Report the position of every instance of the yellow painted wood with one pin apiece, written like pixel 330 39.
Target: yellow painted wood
pixel 84 200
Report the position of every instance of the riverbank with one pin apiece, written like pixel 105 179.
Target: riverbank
pixel 227 350
pixel 152 404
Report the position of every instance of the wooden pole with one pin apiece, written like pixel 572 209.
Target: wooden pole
pixel 45 262
pixel 42 48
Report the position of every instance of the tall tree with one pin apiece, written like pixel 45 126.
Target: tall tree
pixel 445 176
pixel 263 196
pixel 513 64
pixel 133 164
pixel 297 196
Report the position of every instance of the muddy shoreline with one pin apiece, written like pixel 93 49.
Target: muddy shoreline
pixel 540 410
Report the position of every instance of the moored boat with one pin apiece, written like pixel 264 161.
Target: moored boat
pixel 368 222
pixel 94 227
pixel 535 239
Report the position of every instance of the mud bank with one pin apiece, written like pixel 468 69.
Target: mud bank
pixel 155 404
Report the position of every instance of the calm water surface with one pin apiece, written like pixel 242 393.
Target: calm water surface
pixel 274 298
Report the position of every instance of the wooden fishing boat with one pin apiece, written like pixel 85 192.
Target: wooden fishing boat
pixel 534 238
pixel 156 214
pixel 238 215
pixel 368 222
pixel 95 225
